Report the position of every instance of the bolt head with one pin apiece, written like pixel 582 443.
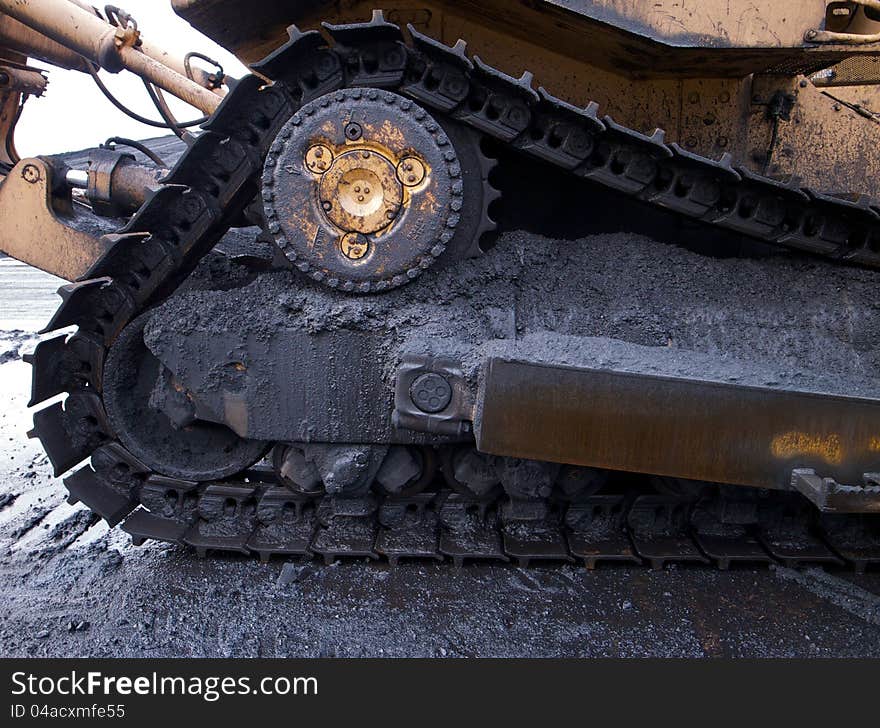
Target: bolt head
pixel 318 158
pixel 431 392
pixel 30 174
pixel 354 246
pixel 411 172
pixel 353 131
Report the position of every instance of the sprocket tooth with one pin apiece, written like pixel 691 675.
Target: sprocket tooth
pixel 71 432
pixel 63 364
pixel 85 487
pixel 487 224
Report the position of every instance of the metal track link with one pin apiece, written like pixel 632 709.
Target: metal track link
pixel 655 530
pixel 220 175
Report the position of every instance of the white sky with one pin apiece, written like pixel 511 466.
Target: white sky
pixel 73 114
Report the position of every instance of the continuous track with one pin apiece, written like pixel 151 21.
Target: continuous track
pixel 221 173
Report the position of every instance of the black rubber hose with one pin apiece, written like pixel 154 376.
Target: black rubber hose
pixel 142 148
pixel 137 117
pixel 10 150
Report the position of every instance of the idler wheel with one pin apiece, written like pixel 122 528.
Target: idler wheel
pixel 153 420
pixel 362 190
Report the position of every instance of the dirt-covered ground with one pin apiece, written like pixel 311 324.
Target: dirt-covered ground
pixel 68 587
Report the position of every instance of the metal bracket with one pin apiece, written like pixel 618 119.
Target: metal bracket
pixel 34 233
pixel 839 22
pixel 829 496
pixel 431 395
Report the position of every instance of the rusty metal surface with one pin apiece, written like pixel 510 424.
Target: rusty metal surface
pixel 114 48
pixel 17 37
pixel 22 80
pixel 685 428
pixel 9 101
pixel 648 65
pixel 34 232
pixel 363 191
pixel 650 39
pixel 102 305
pixel 117 186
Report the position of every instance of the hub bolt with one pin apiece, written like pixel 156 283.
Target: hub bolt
pixel 410 171
pixel 431 393
pixel 354 246
pixel 353 131
pixel 319 158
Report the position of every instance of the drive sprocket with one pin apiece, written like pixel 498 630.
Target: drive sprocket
pixel 362 190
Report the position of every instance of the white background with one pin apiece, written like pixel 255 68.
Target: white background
pixel 73 114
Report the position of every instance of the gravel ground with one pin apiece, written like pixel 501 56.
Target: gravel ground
pixel 71 588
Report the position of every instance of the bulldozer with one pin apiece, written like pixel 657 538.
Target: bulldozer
pixel 535 281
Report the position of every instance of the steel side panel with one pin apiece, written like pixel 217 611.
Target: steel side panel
pixel 677 427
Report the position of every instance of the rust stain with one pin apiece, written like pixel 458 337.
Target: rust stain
pixel 794 443
pixel 393 137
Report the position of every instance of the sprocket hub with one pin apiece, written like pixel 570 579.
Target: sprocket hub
pixel 362 190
